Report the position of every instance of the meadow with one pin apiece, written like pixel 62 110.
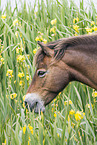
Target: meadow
pixel 71 118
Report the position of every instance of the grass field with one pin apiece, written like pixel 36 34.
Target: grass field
pixel 71 118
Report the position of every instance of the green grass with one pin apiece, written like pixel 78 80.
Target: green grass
pixel 56 125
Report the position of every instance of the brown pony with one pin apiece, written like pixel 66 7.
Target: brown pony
pixel 57 64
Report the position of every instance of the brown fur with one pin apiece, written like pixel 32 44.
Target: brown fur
pixel 62 61
pixel 61 45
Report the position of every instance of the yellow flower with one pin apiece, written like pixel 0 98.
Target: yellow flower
pixel 2 59
pixel 71 112
pixel 75 20
pixel 35 50
pixel 31 128
pixel 70 102
pixel 17 50
pixel 79 115
pixel 28 142
pixel 44 41
pixel 89 30
pixel 65 103
pixel 53 29
pixel 58 134
pixel 27 77
pixel 72 124
pixel 92 23
pixel 16 34
pixel 55 115
pixel 13 96
pixel 88 105
pixel 21 46
pixel 4 142
pixel 94 28
pixel 15 22
pixel 94 94
pixel 20 58
pixel 75 34
pixel 37 39
pixel 53 22
pixel 9 73
pixel 21 83
pixel 75 27
pixel 24 97
pixel 23 105
pixel 3 16
pixel 24 129
pixel 20 75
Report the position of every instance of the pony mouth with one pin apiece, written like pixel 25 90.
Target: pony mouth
pixel 34 103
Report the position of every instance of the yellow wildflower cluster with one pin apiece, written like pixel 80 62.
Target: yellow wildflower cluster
pixel 66 102
pixel 40 38
pixel 21 74
pixel 71 112
pixel 75 20
pixel 20 49
pixel 53 29
pixel 13 96
pixel 9 73
pixel 76 27
pixel 30 128
pixel 88 30
pixel 94 94
pixel 20 58
pixel 91 29
pixel 92 23
pixel 78 115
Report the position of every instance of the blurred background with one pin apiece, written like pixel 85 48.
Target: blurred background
pixel 77 2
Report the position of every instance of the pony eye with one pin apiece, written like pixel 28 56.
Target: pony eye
pixel 41 73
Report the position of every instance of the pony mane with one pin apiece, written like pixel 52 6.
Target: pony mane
pixel 59 46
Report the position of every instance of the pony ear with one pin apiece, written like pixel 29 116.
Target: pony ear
pixel 46 49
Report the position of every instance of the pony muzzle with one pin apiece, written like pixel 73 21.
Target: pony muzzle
pixel 33 102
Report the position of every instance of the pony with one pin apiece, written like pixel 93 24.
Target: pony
pixel 58 63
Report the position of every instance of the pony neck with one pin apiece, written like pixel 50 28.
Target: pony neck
pixel 82 64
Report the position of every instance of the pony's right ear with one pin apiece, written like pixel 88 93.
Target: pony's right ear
pixel 45 49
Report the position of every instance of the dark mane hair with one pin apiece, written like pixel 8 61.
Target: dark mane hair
pixel 59 46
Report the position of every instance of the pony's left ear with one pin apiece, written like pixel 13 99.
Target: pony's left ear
pixel 45 49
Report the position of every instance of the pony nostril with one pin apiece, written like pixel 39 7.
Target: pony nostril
pixel 26 104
